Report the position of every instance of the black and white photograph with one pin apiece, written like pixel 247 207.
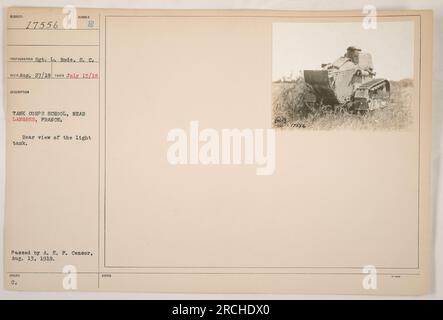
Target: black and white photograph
pixel 343 75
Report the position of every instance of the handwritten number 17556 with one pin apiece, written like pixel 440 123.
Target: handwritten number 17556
pixel 42 25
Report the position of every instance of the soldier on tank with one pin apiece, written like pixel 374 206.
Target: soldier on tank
pixel 352 53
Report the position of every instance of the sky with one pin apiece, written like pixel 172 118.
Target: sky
pixel 300 46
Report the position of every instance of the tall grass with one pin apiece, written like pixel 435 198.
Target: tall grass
pixel 289 110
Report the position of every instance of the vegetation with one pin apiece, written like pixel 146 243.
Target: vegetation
pixel 289 109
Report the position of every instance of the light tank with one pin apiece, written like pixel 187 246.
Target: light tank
pixel 349 82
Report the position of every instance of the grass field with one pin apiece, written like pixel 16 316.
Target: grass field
pixel 289 113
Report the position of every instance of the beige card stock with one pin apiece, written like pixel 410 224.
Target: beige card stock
pixel 218 151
